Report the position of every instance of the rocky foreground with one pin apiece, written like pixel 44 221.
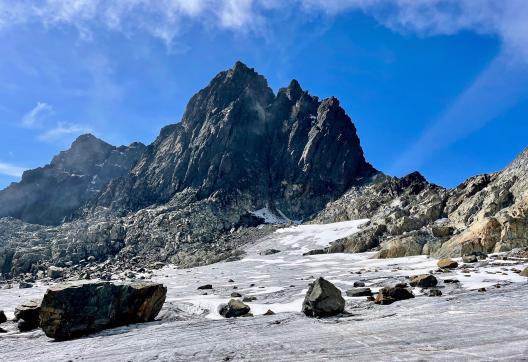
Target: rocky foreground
pixel 410 308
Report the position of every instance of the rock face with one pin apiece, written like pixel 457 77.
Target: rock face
pixel 70 311
pixel 323 299
pixel 238 137
pixel 49 194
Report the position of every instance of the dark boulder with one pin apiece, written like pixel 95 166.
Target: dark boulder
pixel 235 308
pixel 389 295
pixel 424 281
pixel 323 299
pixel 359 292
pixel 205 287
pixel 73 310
pixel 432 292
pixel 314 252
pixel 3 317
pixel 27 315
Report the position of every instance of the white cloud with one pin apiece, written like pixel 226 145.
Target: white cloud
pixel 11 170
pixel 62 129
pixel 35 117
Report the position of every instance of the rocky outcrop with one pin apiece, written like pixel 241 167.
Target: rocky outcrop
pixel 50 194
pixel 72 310
pixel 323 299
pixel 237 137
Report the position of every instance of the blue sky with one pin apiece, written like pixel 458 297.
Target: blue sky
pixel 437 86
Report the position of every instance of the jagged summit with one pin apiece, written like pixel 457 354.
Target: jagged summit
pixel 289 150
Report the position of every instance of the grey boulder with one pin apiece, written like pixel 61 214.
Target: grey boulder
pixel 235 308
pixel 323 299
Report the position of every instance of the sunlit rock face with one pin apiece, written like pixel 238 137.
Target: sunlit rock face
pixel 47 195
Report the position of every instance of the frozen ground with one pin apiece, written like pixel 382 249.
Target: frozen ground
pixel 463 324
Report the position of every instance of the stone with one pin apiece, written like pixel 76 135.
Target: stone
pixel 55 272
pixel 424 281
pixel 389 295
pixel 235 308
pixel 323 299
pixel 3 317
pixel 451 281
pixel 481 289
pixel 469 259
pixel 269 252
pixel 432 292
pixel 358 284
pixel 524 273
pixel 205 287
pixel 314 252
pixel 269 312
pixel 73 310
pixel 249 299
pixel 27 315
pixel 24 285
pixel 359 292
pixel 236 295
pixel 447 264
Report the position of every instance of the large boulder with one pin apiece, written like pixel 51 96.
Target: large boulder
pixel 389 295
pixel 73 310
pixel 323 299
pixel 27 315
pixel 424 281
pixel 524 273
pixel 235 308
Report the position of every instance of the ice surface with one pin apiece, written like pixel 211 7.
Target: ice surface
pixel 463 324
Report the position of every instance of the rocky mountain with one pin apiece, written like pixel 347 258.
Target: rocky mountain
pixel 203 189
pixel 47 195
pixel 290 151
pixel 409 216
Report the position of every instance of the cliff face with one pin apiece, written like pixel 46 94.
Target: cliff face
pixel 288 151
pixel 47 195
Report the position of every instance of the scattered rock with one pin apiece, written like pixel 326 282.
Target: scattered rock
pixel 236 295
pixel 359 292
pixel 469 259
pixel 323 299
pixel 389 295
pixel 424 281
pixel 24 285
pixel 269 252
pixel 249 299
pixel 205 287
pixel 432 292
pixel 447 264
pixel 314 252
pixel 359 284
pixel 72 310
pixel 27 315
pixel 55 272
pixel 481 289
pixel 269 312
pixel 451 281
pixel 235 308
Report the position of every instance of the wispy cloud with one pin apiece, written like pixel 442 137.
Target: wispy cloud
pixel 11 170
pixel 63 129
pixel 36 116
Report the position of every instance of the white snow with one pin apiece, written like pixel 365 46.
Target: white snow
pixel 270 217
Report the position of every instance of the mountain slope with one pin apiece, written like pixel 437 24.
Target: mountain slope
pixel 49 194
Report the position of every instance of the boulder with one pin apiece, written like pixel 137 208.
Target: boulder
pixel 447 264
pixel 24 285
pixel 359 292
pixel 469 259
pixel 236 295
pixel 269 312
pixel 27 315
pixel 432 292
pixel 72 310
pixel 424 281
pixel 524 273
pixel 269 252
pixel 3 317
pixel 358 284
pixel 389 295
pixel 235 308
pixel 55 272
pixel 323 299
pixel 205 287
